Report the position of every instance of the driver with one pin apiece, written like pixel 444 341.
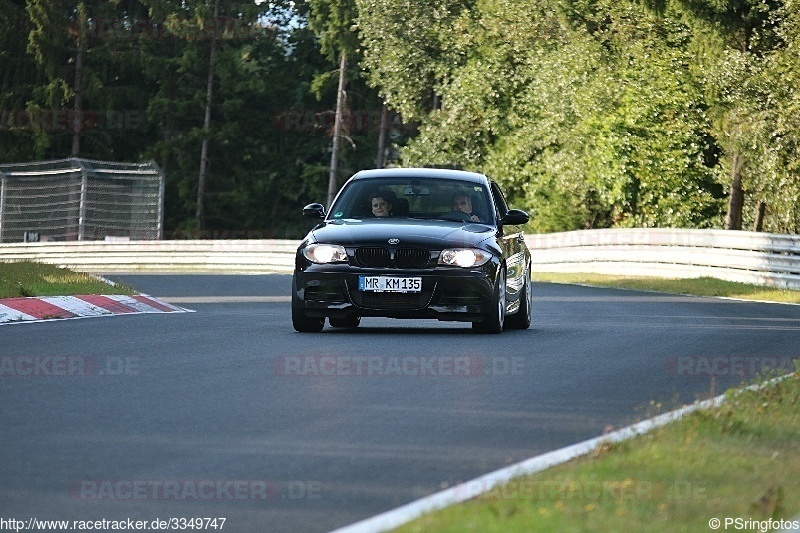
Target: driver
pixel 462 202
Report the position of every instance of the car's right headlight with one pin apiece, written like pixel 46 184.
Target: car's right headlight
pixel 464 257
pixel 325 253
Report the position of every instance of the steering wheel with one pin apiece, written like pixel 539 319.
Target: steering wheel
pixel 457 216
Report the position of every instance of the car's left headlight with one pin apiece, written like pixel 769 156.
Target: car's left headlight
pixel 464 257
pixel 325 253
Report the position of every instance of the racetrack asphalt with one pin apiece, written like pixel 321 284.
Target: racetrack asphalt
pixel 123 417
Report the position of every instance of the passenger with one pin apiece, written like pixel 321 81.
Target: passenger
pixel 381 204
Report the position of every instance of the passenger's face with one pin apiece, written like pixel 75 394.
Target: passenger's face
pixel 463 204
pixel 380 207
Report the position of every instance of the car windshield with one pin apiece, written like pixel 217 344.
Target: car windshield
pixel 425 198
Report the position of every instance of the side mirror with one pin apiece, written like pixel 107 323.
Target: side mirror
pixel 515 217
pixel 314 211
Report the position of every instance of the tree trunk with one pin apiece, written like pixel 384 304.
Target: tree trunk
pixel 380 159
pixel 201 179
pixel 333 185
pixel 733 220
pixel 761 211
pixel 77 112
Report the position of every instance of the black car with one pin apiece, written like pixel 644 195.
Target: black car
pixel 414 243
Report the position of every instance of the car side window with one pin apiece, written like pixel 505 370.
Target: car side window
pixel 499 201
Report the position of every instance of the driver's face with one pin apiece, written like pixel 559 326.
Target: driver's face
pixel 462 203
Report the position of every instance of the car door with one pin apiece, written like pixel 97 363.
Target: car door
pixel 512 242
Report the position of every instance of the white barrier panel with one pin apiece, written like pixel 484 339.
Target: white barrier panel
pixel 732 255
pixel 242 256
pixel 742 256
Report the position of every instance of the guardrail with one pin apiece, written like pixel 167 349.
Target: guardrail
pixel 242 256
pixel 760 258
pixel 748 257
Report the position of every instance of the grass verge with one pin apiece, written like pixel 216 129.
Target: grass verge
pixel 27 278
pixel 740 460
pixel 695 286
pixel 737 461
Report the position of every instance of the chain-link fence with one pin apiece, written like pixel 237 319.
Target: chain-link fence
pixel 80 200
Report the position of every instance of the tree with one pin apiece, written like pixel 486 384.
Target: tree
pixel 588 116
pixel 332 21
pixel 201 180
pixel 54 50
pixel 196 38
pixel 88 69
pixel 774 180
pixel 591 113
pixel 650 152
pixel 19 75
pixel 411 48
pixel 742 31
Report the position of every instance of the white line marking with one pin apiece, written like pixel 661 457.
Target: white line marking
pixel 224 299
pixel 471 489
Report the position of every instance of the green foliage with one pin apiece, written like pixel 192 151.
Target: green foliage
pixel 647 152
pixel 590 113
pixel 18 77
pixel 333 22
pixel 410 49
pixel 774 123
pixel 583 129
pixel 145 69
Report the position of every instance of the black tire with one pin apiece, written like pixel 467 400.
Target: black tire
pixel 347 322
pixel 522 318
pixel 300 320
pixel 495 320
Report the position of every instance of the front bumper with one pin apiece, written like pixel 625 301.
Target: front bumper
pixel 448 293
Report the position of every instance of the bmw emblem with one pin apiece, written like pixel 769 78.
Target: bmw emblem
pixel 394 241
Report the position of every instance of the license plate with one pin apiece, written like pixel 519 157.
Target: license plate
pixel 389 284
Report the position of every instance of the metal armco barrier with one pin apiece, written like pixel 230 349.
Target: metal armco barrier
pixel 748 257
pixel 159 256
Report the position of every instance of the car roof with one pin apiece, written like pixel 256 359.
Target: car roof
pixel 438 173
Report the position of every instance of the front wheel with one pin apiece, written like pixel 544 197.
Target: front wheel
pixel 494 321
pixel 300 320
pixel 522 318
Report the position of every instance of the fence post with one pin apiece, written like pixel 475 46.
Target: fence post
pixel 82 208
pixel 2 203
pixel 161 185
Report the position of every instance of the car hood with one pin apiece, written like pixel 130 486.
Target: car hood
pixel 428 233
